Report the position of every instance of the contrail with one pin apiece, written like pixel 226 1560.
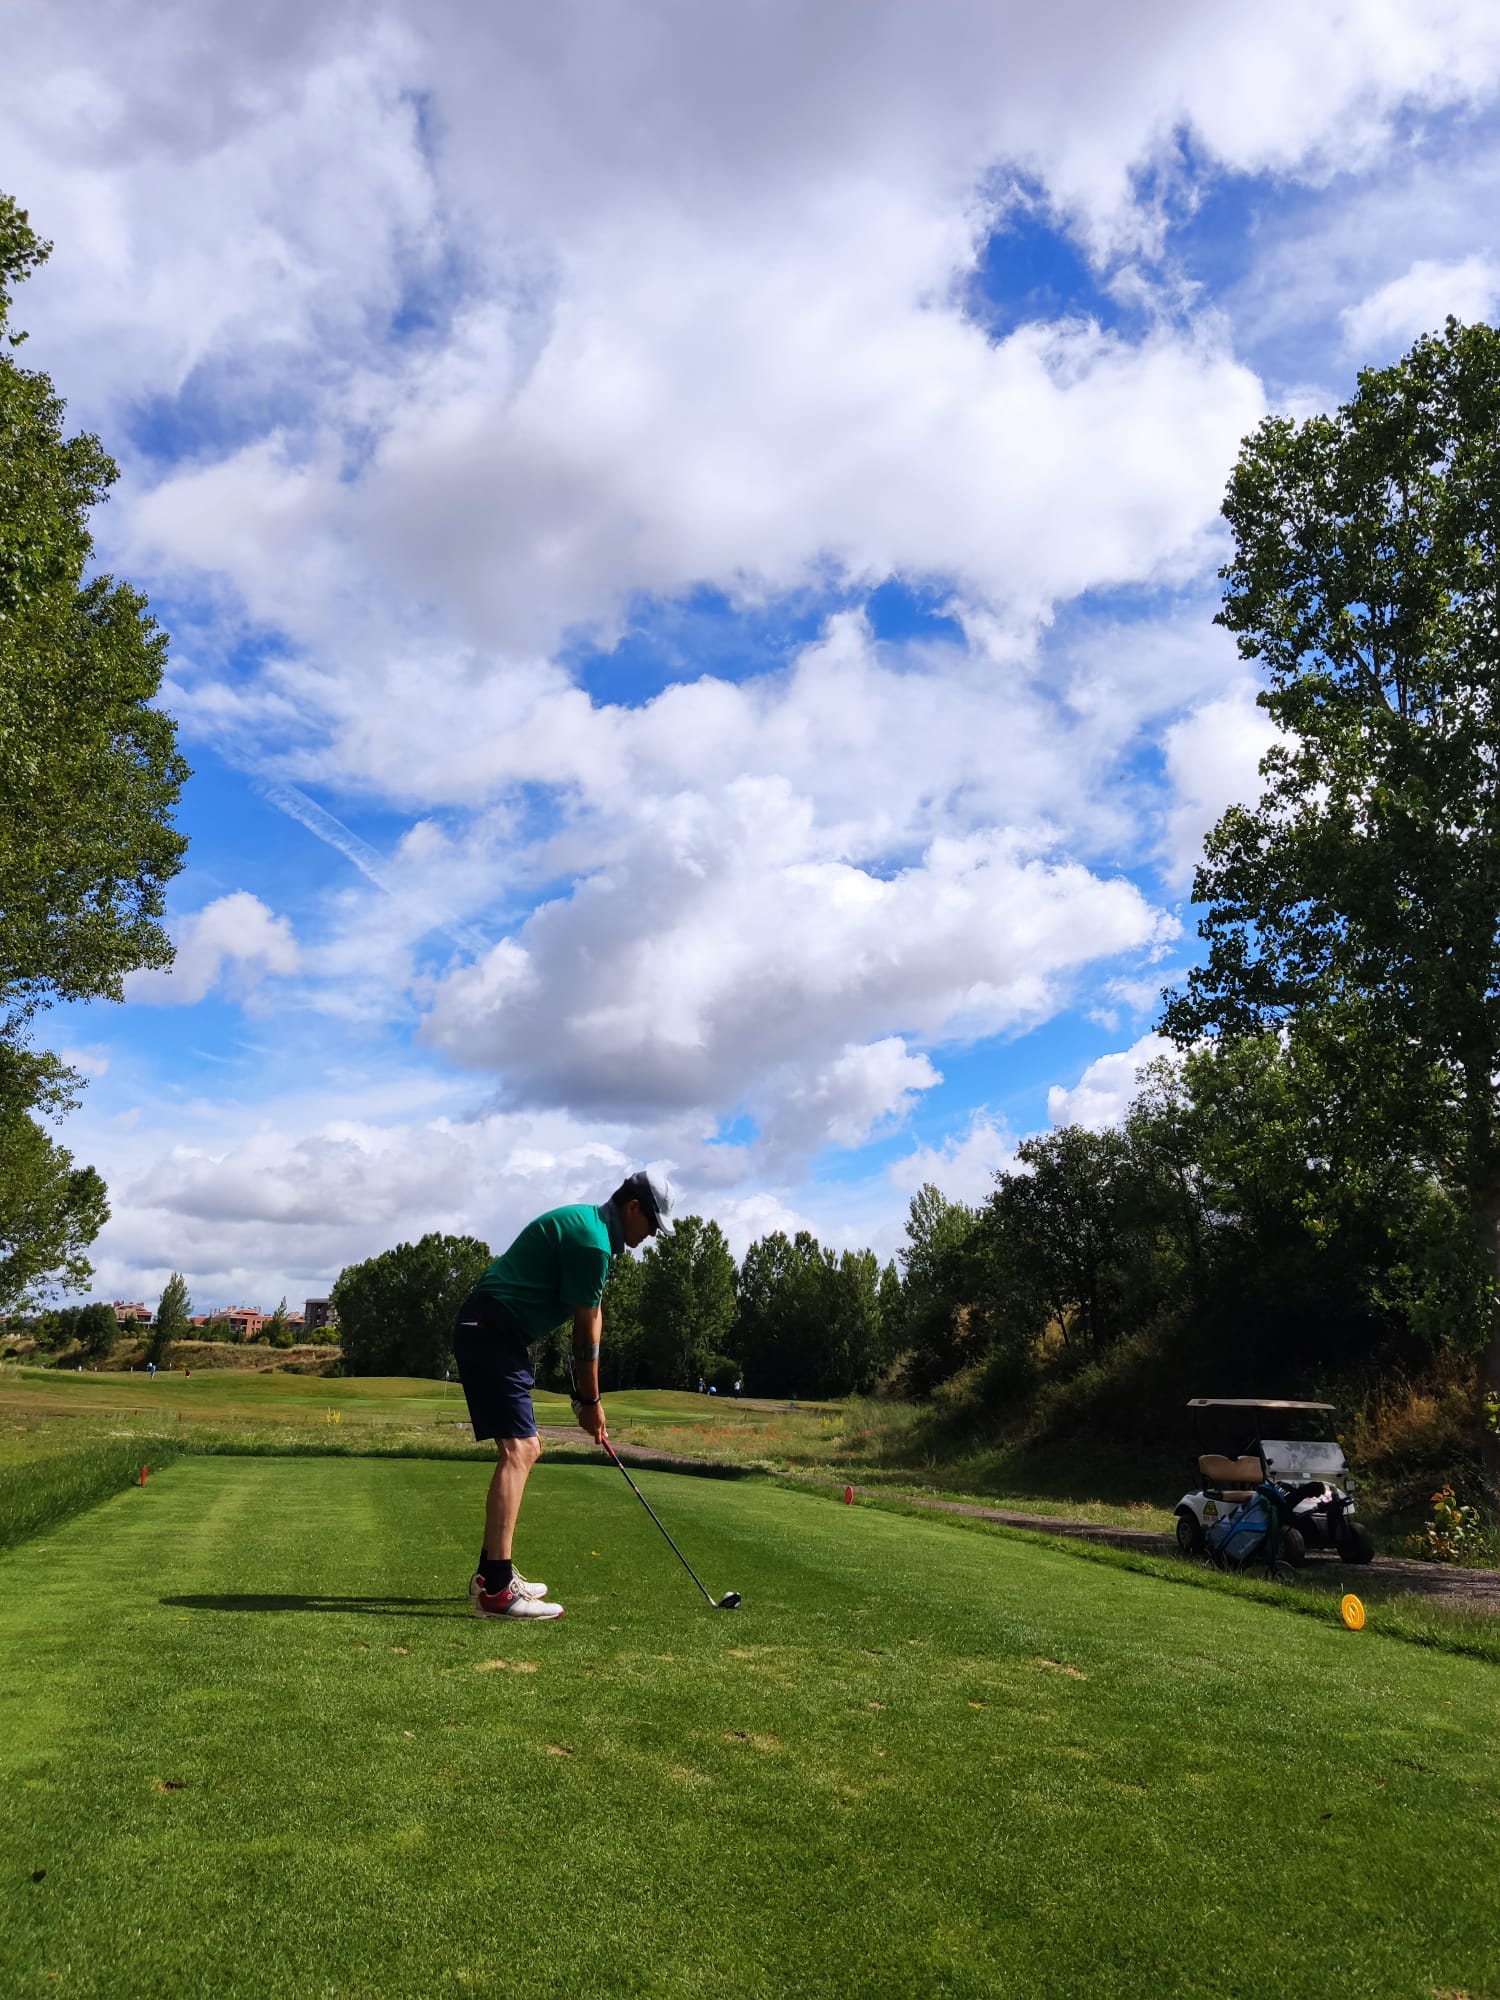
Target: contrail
pixel 307 812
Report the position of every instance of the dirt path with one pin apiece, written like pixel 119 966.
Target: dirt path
pixel 1478 1586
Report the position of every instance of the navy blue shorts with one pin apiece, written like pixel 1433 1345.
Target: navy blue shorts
pixel 494 1365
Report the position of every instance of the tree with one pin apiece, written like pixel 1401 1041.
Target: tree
pixel 89 770
pixel 1362 891
pixel 1069 1213
pixel 89 774
pixel 624 1341
pixel 396 1311
pixel 50 1209
pixel 686 1303
pixel 809 1322
pixel 172 1322
pixel 892 1324
pixel 935 1286
pixel 277 1330
pixel 97 1329
pixel 850 1360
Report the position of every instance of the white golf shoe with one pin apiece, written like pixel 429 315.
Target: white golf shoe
pixel 512 1602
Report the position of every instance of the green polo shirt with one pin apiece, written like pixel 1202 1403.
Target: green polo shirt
pixel 557 1264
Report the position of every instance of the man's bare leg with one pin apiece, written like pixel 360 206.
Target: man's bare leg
pixel 503 1501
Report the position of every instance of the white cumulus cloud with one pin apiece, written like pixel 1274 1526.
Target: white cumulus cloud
pixel 1419 301
pixel 1103 1093
pixel 233 942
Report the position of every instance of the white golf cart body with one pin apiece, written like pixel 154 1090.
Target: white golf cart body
pixel 1228 1478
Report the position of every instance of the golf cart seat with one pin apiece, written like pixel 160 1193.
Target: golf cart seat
pixel 1230 1478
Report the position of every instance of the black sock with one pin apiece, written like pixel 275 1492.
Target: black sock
pixel 496 1574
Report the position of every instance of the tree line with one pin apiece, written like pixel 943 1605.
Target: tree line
pixel 94 1330
pixel 796 1318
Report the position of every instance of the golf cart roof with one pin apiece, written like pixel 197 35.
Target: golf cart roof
pixel 1235 1426
pixel 1250 1403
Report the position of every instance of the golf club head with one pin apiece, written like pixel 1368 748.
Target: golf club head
pixel 730 1601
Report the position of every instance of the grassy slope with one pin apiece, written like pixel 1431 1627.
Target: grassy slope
pixel 257 1748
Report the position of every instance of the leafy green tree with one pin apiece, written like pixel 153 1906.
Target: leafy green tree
pixel 936 1286
pixel 396 1311
pixel 89 770
pixel 892 1321
pixel 687 1296
pixel 809 1322
pixel 623 1347
pixel 278 1331
pixel 57 1327
pixel 850 1360
pixel 89 775
pixel 97 1329
pixel 756 1334
pixel 172 1322
pixel 50 1209
pixel 1070 1212
pixel 776 1313
pixel 1362 891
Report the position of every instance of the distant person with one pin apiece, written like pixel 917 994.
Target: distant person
pixel 738 1385
pixel 701 1385
pixel 555 1270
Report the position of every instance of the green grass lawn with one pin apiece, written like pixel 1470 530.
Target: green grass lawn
pixel 252 1743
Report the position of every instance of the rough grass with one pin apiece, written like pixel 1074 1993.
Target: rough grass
pixel 47 1480
pixel 918 1762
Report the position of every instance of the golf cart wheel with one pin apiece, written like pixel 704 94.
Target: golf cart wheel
pixel 1293 1547
pixel 1279 1571
pixel 1354 1544
pixel 1189 1532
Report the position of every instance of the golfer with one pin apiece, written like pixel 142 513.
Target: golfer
pixel 555 1270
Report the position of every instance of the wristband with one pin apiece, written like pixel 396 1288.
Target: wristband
pixel 585 1402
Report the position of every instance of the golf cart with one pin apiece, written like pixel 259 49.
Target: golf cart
pixel 1273 1455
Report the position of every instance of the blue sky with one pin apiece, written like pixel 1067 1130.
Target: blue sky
pixel 693 628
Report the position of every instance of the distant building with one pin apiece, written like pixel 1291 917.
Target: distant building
pixel 132 1309
pixel 316 1314
pixel 244 1322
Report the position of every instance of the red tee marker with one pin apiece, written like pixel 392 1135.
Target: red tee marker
pixel 143 1475
pixel 848 1496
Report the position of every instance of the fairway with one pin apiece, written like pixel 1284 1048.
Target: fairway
pixel 252 1743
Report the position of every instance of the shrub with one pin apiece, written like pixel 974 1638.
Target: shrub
pixel 1453 1533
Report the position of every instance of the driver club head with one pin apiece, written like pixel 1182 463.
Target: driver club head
pixel 730 1601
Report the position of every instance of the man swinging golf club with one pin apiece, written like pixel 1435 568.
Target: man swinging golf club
pixel 555 1270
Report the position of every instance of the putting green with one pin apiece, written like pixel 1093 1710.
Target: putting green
pixel 252 1743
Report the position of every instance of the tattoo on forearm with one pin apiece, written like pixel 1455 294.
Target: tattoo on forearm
pixel 585 1348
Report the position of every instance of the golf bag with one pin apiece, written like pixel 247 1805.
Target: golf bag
pixel 1240 1536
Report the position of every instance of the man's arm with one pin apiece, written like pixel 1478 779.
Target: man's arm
pixel 588 1324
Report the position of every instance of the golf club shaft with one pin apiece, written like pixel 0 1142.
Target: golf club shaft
pixel 652 1512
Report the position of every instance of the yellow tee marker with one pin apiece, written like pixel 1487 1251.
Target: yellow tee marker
pixel 1352 1612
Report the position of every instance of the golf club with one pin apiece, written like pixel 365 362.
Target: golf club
pixel 730 1601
